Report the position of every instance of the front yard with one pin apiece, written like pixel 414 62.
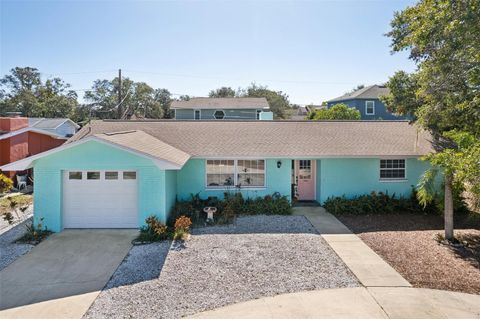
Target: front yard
pixel 258 256
pixel 11 232
pixel 407 242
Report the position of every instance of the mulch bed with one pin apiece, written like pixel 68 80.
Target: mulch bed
pixel 407 242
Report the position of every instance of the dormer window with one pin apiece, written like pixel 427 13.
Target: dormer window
pixel 219 115
pixel 370 107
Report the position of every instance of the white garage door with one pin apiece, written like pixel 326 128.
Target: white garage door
pixel 100 199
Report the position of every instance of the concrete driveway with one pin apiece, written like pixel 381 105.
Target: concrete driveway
pixel 62 276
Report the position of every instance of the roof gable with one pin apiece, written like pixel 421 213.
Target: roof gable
pixel 369 92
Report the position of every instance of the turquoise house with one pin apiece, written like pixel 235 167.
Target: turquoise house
pixel 113 174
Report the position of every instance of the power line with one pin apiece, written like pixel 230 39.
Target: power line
pixel 235 79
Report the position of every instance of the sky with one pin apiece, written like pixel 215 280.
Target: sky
pixel 312 50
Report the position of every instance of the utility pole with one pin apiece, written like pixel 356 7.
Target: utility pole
pixel 120 112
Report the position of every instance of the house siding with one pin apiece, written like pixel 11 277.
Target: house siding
pixel 152 194
pixel 207 114
pixel 191 180
pixel 381 112
pixel 358 176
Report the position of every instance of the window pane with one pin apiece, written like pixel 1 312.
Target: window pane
pixel 392 168
pixel 250 180
pixel 111 175
pixel 93 175
pixel 74 175
pixel 220 173
pixel 251 173
pixel 129 175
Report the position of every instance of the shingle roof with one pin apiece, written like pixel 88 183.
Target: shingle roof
pixel 222 103
pixel 144 143
pixel 369 92
pixel 278 138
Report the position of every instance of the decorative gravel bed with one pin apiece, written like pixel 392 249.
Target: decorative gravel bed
pixel 259 256
pixel 9 249
pixel 407 242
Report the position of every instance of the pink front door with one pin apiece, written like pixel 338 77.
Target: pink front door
pixel 305 178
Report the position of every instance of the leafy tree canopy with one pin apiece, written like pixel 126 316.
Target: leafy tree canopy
pixel 278 101
pixel 23 91
pixel 443 94
pixel 337 112
pixel 138 99
pixel 222 92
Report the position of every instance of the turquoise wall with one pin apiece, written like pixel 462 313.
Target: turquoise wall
pixel 191 180
pixel 158 189
pixel 171 190
pixel 357 176
pixel 153 197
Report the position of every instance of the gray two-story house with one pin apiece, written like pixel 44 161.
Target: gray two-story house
pixel 231 108
pixel 367 101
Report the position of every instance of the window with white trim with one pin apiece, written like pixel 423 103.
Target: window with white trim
pixel 370 107
pixel 220 173
pixel 392 169
pixel 251 173
pixel 230 173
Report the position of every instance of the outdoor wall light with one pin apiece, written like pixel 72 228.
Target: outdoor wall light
pixel 279 164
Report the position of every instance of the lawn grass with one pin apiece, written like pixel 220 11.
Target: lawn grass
pixel 22 200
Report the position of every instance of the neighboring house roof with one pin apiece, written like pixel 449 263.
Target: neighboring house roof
pixel 278 138
pixel 49 124
pixel 146 144
pixel 51 133
pixel 222 103
pixel 369 92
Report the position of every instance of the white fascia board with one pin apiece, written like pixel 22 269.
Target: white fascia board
pixel 28 162
pixel 32 129
pixel 68 120
pixel 307 157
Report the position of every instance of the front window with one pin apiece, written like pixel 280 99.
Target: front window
pixel 370 107
pixel 220 173
pixel 392 169
pixel 251 173
pixel 228 173
pixel 197 114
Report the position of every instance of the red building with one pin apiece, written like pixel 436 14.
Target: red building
pixel 21 137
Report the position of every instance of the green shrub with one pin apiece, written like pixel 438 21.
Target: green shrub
pixel 6 184
pixel 153 231
pixel 376 203
pixel 231 206
pixel 35 233
pixel 182 227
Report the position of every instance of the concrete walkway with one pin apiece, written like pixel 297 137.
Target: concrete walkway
pixel 385 293
pixel 347 303
pixel 62 276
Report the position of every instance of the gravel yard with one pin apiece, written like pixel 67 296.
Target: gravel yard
pixel 9 250
pixel 258 256
pixel 407 242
